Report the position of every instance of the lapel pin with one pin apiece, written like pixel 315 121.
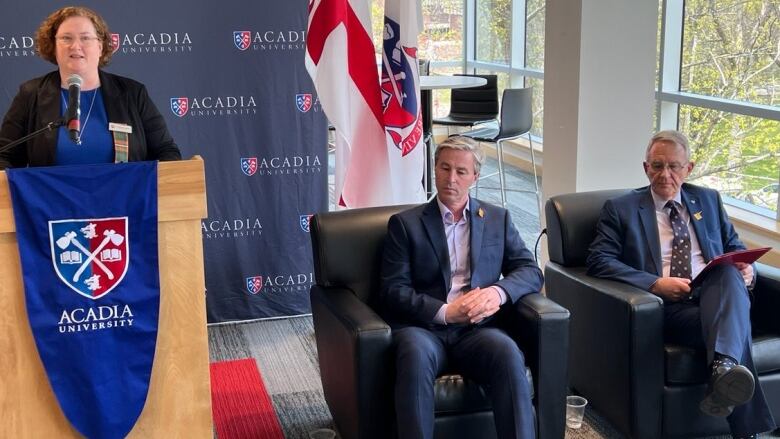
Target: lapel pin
pixel 480 213
pixel 697 216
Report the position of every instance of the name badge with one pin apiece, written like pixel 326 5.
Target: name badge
pixel 120 127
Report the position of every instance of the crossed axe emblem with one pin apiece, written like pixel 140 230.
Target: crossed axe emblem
pixel 70 238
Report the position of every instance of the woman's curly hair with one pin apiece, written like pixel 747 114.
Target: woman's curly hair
pixel 45 42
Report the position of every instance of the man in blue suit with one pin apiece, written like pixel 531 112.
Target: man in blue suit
pixel 441 287
pixel 661 236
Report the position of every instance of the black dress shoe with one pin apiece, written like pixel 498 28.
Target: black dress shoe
pixel 730 385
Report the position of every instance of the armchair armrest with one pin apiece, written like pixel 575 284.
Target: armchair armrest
pixel 766 299
pixel 616 355
pixel 356 364
pixel 541 329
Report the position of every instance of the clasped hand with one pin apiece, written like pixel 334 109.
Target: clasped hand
pixel 473 306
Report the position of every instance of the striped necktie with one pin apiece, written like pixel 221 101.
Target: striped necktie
pixel 681 244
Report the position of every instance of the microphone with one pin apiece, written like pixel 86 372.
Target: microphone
pixel 73 114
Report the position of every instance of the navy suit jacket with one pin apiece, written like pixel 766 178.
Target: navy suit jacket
pixel 416 275
pixel 627 246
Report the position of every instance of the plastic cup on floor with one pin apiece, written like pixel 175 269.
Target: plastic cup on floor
pixel 322 433
pixel 575 411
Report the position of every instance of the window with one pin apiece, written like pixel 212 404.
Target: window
pixel 442 36
pixel 720 85
pixel 534 35
pixel 493 30
pixel 441 41
pixel 502 37
pixel 508 40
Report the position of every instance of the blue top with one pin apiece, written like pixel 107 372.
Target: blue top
pixel 97 145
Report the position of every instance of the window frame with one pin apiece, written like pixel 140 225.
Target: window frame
pixel 669 97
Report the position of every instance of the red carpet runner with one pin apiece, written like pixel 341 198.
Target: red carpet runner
pixel 240 403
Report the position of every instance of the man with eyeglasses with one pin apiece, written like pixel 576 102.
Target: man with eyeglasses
pixel 661 236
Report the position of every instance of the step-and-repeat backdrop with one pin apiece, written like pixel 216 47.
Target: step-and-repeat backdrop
pixel 230 80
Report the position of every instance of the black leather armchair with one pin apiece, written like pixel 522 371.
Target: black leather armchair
pixel 618 359
pixel 354 343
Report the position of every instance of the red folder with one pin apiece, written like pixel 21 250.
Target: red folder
pixel 746 256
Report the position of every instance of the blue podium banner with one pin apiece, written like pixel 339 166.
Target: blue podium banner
pixel 88 246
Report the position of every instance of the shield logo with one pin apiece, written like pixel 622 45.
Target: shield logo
pixel 254 284
pixel 180 106
pixel 90 256
pixel 304 221
pixel 303 101
pixel 249 165
pixel 115 42
pixel 242 39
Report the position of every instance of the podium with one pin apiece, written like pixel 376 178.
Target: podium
pixel 179 399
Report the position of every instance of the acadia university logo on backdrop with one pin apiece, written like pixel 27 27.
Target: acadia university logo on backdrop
pixel 16 46
pixel 269 40
pixel 214 106
pixel 231 228
pixel 279 283
pixel 139 43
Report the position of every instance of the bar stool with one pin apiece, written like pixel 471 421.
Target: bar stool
pixel 516 119
pixel 472 106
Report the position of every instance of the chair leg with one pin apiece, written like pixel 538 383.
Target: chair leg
pixel 501 175
pixel 431 168
pixel 536 180
pixel 426 165
pixel 476 184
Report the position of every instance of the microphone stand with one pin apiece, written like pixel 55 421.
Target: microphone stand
pixel 49 126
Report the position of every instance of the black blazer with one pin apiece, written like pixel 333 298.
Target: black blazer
pixel 126 101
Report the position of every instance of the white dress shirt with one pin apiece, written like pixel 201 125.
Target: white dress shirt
pixel 458 235
pixel 666 235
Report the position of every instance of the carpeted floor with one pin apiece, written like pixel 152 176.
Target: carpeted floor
pixel 286 356
pixel 240 404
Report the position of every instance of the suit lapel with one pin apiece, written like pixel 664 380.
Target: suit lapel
pixel 694 207
pixel 115 110
pixel 650 227
pixel 434 227
pixel 477 225
pixel 49 110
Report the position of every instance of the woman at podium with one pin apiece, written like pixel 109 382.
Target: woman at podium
pixel 105 118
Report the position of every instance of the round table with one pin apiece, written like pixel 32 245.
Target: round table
pixel 434 82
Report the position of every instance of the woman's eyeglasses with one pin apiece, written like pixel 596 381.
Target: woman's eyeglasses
pixel 84 40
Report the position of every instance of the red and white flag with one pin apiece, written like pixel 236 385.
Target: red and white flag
pixel 341 62
pixel 401 99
